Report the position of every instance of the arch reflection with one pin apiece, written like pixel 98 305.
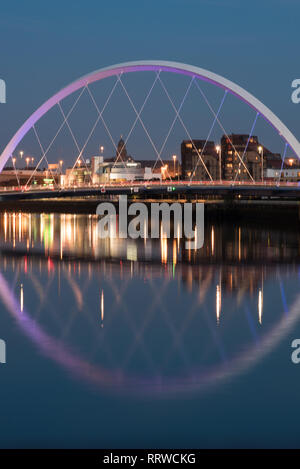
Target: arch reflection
pixel 170 319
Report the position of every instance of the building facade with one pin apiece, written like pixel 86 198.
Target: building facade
pixel 195 156
pixel 122 167
pixel 242 158
pixel 285 171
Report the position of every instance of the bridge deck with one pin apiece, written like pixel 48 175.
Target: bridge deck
pixel 170 189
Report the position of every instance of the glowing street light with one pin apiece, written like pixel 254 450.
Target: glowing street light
pixel 261 152
pixel 218 150
pixel 27 161
pixel 21 154
pixel 14 161
pixel 101 149
pixel 174 159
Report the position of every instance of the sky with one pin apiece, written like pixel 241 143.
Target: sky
pixel 46 45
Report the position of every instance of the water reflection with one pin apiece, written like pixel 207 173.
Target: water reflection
pixel 170 318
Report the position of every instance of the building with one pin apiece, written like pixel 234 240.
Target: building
pixel 167 169
pixel 121 152
pixel 286 171
pixel 242 158
pixel 121 167
pixel 79 175
pixel 192 152
pixel 282 174
pixel 258 160
pixel 12 177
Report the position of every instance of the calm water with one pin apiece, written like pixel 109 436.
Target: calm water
pixel 122 343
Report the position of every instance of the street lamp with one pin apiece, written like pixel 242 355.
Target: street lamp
pixel 101 149
pixel 21 154
pixel 261 152
pixel 218 150
pixel 60 164
pixel 27 161
pixel 174 159
pixel 14 161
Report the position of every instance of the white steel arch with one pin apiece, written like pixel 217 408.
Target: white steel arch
pixel 154 65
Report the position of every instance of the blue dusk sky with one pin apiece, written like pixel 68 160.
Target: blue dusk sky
pixel 47 45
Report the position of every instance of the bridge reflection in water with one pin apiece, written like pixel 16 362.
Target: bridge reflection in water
pixel 148 315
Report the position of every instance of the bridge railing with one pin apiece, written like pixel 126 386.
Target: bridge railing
pixel 165 183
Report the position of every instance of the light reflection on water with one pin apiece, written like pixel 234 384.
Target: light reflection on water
pixel 149 316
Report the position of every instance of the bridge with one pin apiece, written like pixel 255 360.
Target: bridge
pixel 236 188
pixel 182 190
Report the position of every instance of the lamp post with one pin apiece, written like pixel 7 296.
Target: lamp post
pixel 261 152
pixel 218 150
pixel 27 162
pixel 174 159
pixel 14 161
pixel 60 165
pixel 21 154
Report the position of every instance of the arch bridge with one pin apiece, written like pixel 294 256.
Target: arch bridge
pixel 196 74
